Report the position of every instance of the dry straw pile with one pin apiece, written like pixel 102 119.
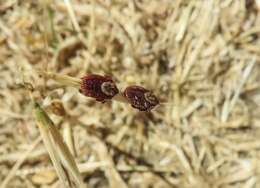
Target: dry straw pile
pixel 200 56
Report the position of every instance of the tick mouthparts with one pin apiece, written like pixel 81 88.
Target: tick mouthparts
pixel 151 98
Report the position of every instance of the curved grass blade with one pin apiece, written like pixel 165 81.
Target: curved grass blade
pixel 60 155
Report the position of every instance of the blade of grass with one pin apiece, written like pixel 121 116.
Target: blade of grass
pixel 242 81
pixel 60 155
pixel 42 120
pixel 19 163
pixel 63 79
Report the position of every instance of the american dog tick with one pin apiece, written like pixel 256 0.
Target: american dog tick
pixel 101 88
pixel 141 98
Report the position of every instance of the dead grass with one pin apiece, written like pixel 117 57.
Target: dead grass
pixel 202 57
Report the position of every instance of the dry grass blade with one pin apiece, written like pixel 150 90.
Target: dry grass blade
pixel 62 79
pixel 112 174
pixel 230 104
pixel 74 20
pixel 60 155
pixel 72 16
pixel 68 138
pixel 202 58
pixel 19 163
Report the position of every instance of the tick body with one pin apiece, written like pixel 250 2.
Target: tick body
pixel 101 88
pixel 141 98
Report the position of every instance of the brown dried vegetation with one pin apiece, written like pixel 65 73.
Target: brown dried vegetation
pixel 200 56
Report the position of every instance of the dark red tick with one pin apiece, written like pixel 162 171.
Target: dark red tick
pixel 141 98
pixel 99 87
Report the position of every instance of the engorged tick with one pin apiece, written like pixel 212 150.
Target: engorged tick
pixel 101 88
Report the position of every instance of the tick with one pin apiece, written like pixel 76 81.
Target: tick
pixel 140 98
pixel 101 88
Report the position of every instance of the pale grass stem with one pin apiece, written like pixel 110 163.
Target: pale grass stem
pixel 60 155
pixel 61 78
